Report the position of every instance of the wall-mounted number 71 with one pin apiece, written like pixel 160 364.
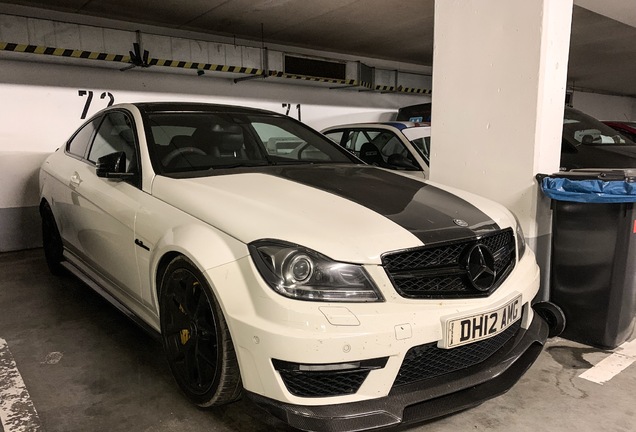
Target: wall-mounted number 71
pixel 288 106
pixel 89 99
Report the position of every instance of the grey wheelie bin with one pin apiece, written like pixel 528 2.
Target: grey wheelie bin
pixel 593 262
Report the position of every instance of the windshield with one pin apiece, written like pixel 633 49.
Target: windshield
pixel 579 128
pixel 200 141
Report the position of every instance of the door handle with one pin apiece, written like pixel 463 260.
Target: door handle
pixel 75 180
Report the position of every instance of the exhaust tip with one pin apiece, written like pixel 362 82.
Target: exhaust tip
pixel 553 315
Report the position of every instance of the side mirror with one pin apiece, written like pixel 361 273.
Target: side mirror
pixel 112 166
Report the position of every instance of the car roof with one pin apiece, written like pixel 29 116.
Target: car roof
pixel 194 106
pixel 400 125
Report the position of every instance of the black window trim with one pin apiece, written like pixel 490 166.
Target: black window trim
pixel 67 145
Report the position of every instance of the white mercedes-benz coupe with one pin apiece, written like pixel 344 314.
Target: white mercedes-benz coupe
pixel 275 265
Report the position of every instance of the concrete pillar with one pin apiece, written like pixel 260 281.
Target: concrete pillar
pixel 499 79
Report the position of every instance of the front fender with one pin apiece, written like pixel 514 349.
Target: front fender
pixel 204 245
pixel 160 239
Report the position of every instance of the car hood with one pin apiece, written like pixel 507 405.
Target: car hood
pixel 350 213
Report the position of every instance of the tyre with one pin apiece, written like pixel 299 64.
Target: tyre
pixel 196 338
pixel 51 241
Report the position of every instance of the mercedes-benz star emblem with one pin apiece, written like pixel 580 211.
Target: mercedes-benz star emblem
pixel 460 222
pixel 480 266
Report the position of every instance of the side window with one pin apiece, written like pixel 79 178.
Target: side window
pixel 335 136
pixel 115 135
pixel 78 144
pixel 356 139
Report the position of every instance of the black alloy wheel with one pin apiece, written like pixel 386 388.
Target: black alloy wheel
pixel 51 241
pixel 196 338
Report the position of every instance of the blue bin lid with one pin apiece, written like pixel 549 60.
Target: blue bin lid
pixel 591 186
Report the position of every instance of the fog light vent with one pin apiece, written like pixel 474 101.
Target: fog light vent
pixel 325 380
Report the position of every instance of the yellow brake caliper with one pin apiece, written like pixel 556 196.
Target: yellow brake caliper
pixel 185 333
pixel 185 336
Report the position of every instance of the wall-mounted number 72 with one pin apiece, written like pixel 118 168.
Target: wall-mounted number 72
pixel 89 99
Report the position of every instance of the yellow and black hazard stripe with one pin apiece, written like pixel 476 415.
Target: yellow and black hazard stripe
pixel 278 74
pixel 92 55
pixel 382 88
pixel 63 52
pixel 413 90
pixel 205 66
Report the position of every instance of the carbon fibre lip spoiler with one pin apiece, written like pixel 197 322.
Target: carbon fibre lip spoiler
pixel 423 400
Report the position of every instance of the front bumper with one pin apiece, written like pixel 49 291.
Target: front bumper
pixel 425 399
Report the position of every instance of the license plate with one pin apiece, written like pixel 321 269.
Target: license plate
pixel 468 329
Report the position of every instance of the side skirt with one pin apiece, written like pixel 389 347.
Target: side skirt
pixel 100 286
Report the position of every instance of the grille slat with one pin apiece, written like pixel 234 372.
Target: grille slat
pixel 428 361
pixel 445 264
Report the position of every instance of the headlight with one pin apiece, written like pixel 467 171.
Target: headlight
pixel 300 273
pixel 521 240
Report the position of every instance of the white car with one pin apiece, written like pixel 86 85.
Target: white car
pixel 275 265
pixel 401 145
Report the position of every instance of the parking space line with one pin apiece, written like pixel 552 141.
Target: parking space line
pixel 17 413
pixel 610 366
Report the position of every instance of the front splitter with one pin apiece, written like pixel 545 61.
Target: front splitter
pixel 422 400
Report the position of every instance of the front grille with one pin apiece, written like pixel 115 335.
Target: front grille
pixel 428 361
pixel 323 384
pixel 440 271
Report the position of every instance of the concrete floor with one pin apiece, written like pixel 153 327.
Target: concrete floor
pixel 88 368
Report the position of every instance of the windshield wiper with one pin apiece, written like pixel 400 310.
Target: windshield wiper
pixel 240 165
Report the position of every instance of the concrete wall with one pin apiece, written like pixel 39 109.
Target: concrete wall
pixel 605 107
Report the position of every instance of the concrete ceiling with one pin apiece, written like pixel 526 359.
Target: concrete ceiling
pixel 602 49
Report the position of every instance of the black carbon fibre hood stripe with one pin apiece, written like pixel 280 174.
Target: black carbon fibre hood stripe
pixel 424 210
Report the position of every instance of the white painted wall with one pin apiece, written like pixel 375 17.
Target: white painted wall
pixel 605 107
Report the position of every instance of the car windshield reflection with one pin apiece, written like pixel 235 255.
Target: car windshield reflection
pixel 579 128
